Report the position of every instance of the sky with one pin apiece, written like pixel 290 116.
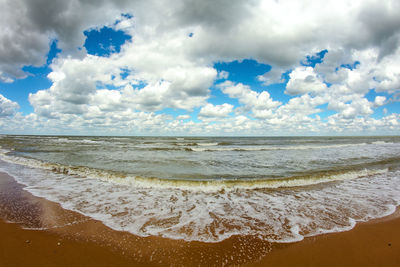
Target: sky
pixel 191 67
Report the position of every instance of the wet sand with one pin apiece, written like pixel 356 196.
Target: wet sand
pixel 374 243
pixel 41 233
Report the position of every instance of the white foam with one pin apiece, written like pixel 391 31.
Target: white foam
pixel 282 215
pixel 77 141
pixel 281 210
pixel 382 143
pixel 218 185
pixel 207 144
pixel 270 147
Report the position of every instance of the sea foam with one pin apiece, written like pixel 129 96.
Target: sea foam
pixel 277 189
pixel 277 215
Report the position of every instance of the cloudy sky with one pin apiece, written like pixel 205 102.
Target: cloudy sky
pixel 192 67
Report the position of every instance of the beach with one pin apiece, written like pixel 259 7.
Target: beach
pixel 373 243
pixel 199 133
pixel 75 239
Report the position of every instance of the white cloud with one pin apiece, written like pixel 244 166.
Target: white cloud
pixel 27 28
pixel 387 124
pixel 304 80
pixel 217 111
pixel 272 32
pixel 167 68
pixel 7 107
pixel 258 103
pixel 222 75
pixel 386 73
pixel 301 106
pixel 5 78
pixel 370 72
pixel 183 117
pixel 379 100
pixel 357 106
pixel 272 76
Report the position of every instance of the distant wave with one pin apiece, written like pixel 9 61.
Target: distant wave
pixel 382 143
pixel 207 144
pixel 270 147
pixel 77 141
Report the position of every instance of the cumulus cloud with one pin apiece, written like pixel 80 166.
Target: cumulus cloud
pixel 29 26
pixel 221 29
pixel 7 107
pixel 357 106
pixel 169 63
pixel 251 100
pixel 304 80
pixel 183 117
pixel 217 111
pixel 272 76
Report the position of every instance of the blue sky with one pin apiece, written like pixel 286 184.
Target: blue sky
pixel 170 73
pixel 36 79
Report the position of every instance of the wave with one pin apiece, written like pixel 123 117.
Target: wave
pixel 269 147
pixel 233 184
pixel 207 144
pixel 273 209
pixel 382 143
pixel 199 184
pixel 185 144
pixel 286 215
pixel 195 144
pixel 161 149
pixel 77 141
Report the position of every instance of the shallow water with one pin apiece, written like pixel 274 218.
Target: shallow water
pixel 207 189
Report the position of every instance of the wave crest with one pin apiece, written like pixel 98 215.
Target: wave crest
pixel 199 184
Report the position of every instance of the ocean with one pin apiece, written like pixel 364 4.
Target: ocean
pixel 278 189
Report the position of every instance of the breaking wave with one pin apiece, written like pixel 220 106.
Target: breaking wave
pixel 297 187
pixel 216 184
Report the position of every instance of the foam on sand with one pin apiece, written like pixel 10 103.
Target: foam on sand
pixel 274 214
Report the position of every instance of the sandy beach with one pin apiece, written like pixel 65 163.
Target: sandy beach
pixel 199 133
pixel 71 239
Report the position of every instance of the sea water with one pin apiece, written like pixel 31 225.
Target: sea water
pixel 208 189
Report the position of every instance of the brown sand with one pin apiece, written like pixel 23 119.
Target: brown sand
pixel 375 243
pixel 70 239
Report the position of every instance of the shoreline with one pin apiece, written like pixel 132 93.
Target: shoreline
pixel 70 238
